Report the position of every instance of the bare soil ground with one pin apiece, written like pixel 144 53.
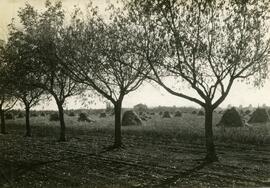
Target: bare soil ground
pixel 147 160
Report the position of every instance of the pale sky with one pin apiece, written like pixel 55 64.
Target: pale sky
pixel 240 94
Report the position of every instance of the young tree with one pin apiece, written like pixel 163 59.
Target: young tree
pixel 103 59
pixel 30 97
pixel 207 45
pixel 16 55
pixel 42 33
pixel 7 100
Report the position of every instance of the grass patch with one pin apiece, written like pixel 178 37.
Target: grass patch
pixel 188 128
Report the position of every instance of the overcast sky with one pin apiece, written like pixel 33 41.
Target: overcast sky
pixel 148 94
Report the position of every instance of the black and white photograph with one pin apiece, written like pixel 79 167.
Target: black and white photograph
pixel 134 93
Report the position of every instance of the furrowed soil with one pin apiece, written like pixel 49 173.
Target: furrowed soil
pixel 146 160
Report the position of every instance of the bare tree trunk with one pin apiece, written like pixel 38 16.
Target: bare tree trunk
pixel 62 121
pixel 209 140
pixel 118 124
pixel 27 121
pixel 3 123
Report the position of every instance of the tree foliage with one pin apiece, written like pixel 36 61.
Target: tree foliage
pixel 7 99
pixel 104 57
pixel 37 48
pixel 206 45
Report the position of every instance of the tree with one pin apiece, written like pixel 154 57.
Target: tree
pixel 16 55
pixel 29 97
pixel 42 33
pixel 7 100
pixel 103 58
pixel 206 45
pixel 109 107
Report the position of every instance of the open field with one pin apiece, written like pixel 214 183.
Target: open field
pixel 162 153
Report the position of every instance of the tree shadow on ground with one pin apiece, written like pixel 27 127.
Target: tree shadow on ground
pixel 173 180
pixel 13 171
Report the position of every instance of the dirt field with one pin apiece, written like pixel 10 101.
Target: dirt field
pixel 149 159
